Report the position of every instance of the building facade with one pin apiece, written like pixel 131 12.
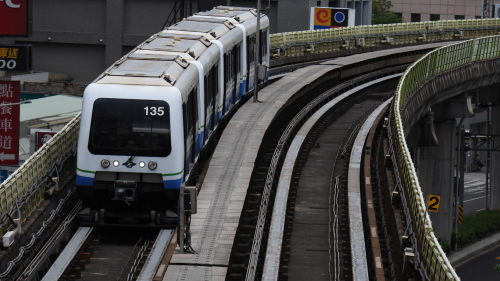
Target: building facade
pixel 83 38
pixel 433 10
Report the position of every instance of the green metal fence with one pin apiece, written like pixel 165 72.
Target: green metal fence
pixel 435 62
pixel 26 184
pixel 329 40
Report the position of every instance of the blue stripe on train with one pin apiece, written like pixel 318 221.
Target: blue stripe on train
pixel 84 181
pixel 172 184
pixel 243 86
pixel 200 144
pixel 209 127
pixel 229 102
pixel 168 184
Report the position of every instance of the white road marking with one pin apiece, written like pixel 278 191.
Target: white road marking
pixel 474 199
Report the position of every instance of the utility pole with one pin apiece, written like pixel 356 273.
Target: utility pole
pixel 257 53
pixel 457 177
pixel 487 186
pixel 486 9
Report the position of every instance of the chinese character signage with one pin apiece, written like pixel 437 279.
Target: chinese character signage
pixel 14 18
pixel 15 57
pixel 9 123
pixel 326 18
pixel 42 138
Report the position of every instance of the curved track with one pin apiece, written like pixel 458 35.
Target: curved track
pixel 309 234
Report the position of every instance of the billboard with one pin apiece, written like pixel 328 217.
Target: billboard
pixel 326 18
pixel 9 123
pixel 14 18
pixel 15 57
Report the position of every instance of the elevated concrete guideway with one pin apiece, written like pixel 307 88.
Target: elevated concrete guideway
pixel 432 80
pixel 221 199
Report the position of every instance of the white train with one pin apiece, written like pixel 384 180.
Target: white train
pixel 148 117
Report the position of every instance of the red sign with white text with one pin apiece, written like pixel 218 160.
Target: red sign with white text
pixel 13 18
pixel 9 122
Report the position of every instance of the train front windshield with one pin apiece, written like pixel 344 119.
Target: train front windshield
pixel 130 127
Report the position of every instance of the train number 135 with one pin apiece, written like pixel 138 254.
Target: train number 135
pixel 151 110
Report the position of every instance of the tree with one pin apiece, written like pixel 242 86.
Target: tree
pixel 381 13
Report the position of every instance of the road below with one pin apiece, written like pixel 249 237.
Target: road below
pixel 480 267
pixel 474 192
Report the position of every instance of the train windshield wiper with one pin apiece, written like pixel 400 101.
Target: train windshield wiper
pixel 129 162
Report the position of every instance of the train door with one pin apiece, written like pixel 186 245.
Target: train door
pixel 236 73
pixel 190 130
pixel 210 90
pixel 243 66
pixel 251 60
pixel 263 49
pixel 228 80
pixel 217 94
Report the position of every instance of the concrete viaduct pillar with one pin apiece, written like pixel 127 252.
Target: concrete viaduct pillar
pixel 436 172
pixel 436 159
pixel 495 159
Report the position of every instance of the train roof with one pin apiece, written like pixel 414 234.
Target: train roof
pixel 164 57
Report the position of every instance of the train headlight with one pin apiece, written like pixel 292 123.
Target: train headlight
pixel 116 163
pixel 142 164
pixel 105 162
pixel 152 164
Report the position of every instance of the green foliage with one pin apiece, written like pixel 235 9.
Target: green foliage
pixel 445 246
pixel 381 13
pixel 478 226
pixel 497 267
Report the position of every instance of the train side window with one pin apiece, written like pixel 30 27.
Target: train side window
pixel 216 79
pixel 190 128
pixel 231 63
pixel 209 99
pixel 238 59
pixel 226 78
pixel 186 130
pixel 250 50
pixel 263 40
pixel 236 55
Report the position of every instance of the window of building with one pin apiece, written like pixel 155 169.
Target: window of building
pixel 400 15
pixel 459 17
pixel 333 3
pixel 318 3
pixel 415 17
pixel 478 17
pixel 435 17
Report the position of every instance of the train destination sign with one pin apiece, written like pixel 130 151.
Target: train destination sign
pixel 15 57
pixel 9 123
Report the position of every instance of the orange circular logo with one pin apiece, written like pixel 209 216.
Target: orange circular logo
pixel 322 16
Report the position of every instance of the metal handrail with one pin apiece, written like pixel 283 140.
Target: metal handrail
pixel 23 190
pixel 438 61
pixel 298 43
